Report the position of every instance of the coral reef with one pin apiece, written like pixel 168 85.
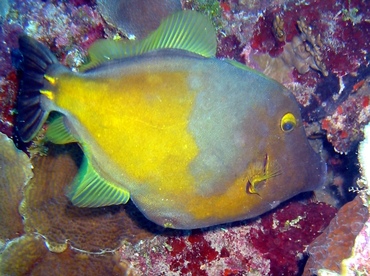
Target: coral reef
pixel 81 240
pixel 272 245
pixel 344 124
pixel 358 263
pixel 313 47
pixel 303 52
pixel 293 229
pixel 16 170
pixel 344 248
pixel 68 29
pixel 8 92
pixel 47 211
pixel 318 49
pixel 28 255
pixel 363 158
pixel 329 42
pixel 86 240
pixel 312 20
pixel 334 95
pixel 21 254
pixel 335 244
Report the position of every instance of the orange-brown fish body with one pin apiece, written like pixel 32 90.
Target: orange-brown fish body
pixel 194 141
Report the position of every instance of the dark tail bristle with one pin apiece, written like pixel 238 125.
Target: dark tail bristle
pixel 36 59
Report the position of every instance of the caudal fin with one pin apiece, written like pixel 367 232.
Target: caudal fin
pixel 37 60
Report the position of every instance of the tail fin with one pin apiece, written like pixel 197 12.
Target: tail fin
pixel 37 60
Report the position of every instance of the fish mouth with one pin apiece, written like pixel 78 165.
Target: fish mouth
pixel 258 172
pixel 285 176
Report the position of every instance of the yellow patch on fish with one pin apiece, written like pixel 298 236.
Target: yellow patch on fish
pixel 155 143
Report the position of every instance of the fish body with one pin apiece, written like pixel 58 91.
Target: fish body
pixel 194 141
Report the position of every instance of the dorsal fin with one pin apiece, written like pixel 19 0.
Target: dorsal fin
pixel 242 66
pixel 137 18
pixel 185 30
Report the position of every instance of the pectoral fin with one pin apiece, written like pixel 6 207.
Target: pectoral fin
pixel 89 189
pixel 58 133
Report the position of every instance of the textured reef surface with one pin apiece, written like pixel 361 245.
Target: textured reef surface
pixel 318 49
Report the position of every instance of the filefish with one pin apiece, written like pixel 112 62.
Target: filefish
pixel 192 140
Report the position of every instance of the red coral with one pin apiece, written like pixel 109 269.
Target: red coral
pixel 349 44
pixel 8 92
pixel 263 38
pixel 309 79
pixel 343 30
pixel 284 235
pixel 198 253
pixel 229 47
pixel 273 245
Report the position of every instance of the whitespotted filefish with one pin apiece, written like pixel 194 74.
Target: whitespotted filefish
pixel 192 140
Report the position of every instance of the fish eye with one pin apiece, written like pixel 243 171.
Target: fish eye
pixel 288 122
